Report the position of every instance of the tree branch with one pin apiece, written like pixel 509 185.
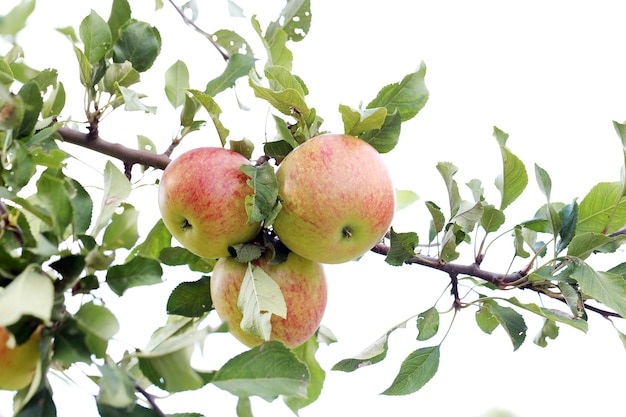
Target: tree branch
pixel 517 279
pixel 125 154
pixel 191 23
pixel 474 270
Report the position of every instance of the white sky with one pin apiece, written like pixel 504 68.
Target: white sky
pixel 551 75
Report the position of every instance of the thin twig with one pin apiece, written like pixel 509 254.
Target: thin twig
pixel 191 23
pixel 150 398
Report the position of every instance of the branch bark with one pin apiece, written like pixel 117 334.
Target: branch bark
pixel 517 279
pixel 123 153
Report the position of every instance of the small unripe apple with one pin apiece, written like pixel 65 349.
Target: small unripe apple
pixel 18 364
pixel 302 283
pixel 202 201
pixel 339 199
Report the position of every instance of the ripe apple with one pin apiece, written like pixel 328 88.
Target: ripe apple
pixel 18 364
pixel 339 200
pixel 202 201
pixel 302 283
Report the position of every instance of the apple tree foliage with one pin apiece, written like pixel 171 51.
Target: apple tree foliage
pixel 58 243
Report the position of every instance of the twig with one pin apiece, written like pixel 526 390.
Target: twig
pixel 116 150
pixel 150 398
pixel 517 279
pixel 191 23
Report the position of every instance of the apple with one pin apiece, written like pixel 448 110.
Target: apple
pixel 202 201
pixel 339 199
pixel 302 283
pixel 18 364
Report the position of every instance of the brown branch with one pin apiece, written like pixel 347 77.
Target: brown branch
pixel 517 279
pixel 474 270
pixel 125 154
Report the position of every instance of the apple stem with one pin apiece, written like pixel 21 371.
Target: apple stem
pixel 347 233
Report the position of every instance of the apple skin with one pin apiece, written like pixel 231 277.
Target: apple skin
pixel 18 365
pixel 202 201
pixel 339 199
pixel 302 283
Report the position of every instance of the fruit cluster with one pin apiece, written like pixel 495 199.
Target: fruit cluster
pixel 337 201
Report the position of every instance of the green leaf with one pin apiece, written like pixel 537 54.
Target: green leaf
pixel 415 371
pixel 120 74
pixel 439 220
pixel 603 210
pixel 294 19
pixel 263 204
pixel 96 37
pixel 132 101
pixel 468 215
pixel 259 298
pixel 386 138
pixel 284 100
pixel 408 96
pixel 237 66
pixel 177 83
pixel 448 252
pixel 99 325
pixel 69 344
pixel 585 244
pixel 122 232
pixel 84 68
pixel 374 353
pixel 513 180
pixel 137 272
pixel 139 43
pixel 549 331
pixel 266 371
pixel 519 241
pixel 492 218
pixel 447 171
pixel 190 299
pixel 181 256
pixel 22 166
pixel 157 239
pixel 427 324
pixel 31 293
pixel 277 149
pixel 552 315
pixel 53 105
pixel 116 190
pixel 245 252
pixel 405 198
pixel 53 195
pixel 33 103
pixel 544 181
pixel 119 16
pixel 512 322
pixel 486 320
pixel 15 20
pixel 402 247
pixel 574 300
pixel 606 287
pixel 171 371
pixel 232 42
pixel 306 354
pixel 40 404
pixel 165 361
pixel 357 121
pixel 278 52
pixel 117 389
pixel 569 218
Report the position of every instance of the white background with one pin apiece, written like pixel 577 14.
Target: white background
pixel 551 74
